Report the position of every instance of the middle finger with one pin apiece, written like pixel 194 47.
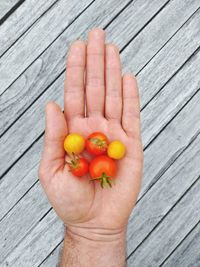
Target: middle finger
pixel 95 73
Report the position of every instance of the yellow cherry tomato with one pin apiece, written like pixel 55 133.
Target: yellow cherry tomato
pixel 116 150
pixel 74 143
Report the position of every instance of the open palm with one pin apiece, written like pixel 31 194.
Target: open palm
pixel 102 101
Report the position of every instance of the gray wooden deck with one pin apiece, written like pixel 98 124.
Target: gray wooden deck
pixel 159 41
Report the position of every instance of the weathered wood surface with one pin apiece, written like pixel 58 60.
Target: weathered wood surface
pixel 37 243
pixel 32 82
pixel 15 153
pixel 169 234
pixel 7 6
pixel 160 41
pixel 37 78
pixel 190 246
pixel 31 118
pixel 39 36
pixel 20 21
pixel 160 198
pixel 42 34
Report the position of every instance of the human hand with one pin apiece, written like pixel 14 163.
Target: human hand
pixel 112 104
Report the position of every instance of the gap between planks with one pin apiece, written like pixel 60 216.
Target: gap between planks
pixel 11 29
pixel 7 11
pixel 183 245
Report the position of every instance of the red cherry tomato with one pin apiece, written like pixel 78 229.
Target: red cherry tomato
pixel 103 169
pixel 97 143
pixel 79 166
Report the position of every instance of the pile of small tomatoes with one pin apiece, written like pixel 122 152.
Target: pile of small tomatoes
pixel 102 167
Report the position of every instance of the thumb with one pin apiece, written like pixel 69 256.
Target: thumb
pixel 55 132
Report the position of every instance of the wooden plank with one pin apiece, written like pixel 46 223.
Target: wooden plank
pixel 20 21
pixel 33 83
pixel 179 134
pixel 18 182
pixel 187 253
pixel 37 243
pixel 167 19
pixel 46 30
pixel 168 61
pixel 6 6
pixel 40 35
pixel 168 101
pixel 14 226
pixel 161 198
pixel 170 232
pixel 15 152
pixel 41 74
pixel 15 27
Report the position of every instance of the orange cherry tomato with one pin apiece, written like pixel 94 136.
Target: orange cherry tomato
pixel 103 169
pixel 97 143
pixel 78 166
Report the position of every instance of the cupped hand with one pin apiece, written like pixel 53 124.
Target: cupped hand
pixel 96 98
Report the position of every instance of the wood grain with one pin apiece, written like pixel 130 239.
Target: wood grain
pixel 168 61
pixel 16 151
pixel 40 35
pixel 187 253
pixel 166 104
pixel 168 234
pixel 168 81
pixel 37 243
pixel 46 30
pixel 51 63
pixel 6 6
pixel 20 21
pixel 164 195
pixel 11 226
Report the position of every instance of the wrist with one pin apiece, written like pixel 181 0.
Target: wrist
pixel 95 235
pixel 94 247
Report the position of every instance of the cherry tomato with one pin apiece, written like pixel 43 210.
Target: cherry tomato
pixel 79 166
pixel 97 143
pixel 74 143
pixel 116 150
pixel 102 168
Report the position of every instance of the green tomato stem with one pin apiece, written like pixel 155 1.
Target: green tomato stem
pixel 104 180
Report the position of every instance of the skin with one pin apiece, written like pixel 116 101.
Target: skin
pixel 96 218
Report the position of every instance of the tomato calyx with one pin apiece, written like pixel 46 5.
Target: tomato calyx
pixel 104 180
pixel 74 162
pixel 78 166
pixel 100 143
